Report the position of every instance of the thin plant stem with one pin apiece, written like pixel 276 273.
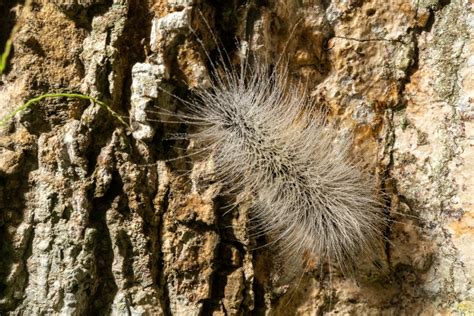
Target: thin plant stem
pixel 32 101
pixel 9 44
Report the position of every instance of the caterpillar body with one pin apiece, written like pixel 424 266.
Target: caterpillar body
pixel 266 137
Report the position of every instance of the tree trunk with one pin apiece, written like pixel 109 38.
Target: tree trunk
pixel 100 218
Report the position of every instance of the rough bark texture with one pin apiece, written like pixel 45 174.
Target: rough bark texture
pixel 93 221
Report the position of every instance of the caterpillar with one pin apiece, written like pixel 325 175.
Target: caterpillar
pixel 266 137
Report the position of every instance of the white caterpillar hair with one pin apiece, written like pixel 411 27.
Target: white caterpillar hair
pixel 267 138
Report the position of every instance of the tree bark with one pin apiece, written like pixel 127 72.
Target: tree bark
pixel 99 218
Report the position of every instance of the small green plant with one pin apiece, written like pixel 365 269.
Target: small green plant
pixel 3 64
pixel 32 101
pixel 6 52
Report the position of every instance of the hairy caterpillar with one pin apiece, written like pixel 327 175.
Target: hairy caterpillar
pixel 266 137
